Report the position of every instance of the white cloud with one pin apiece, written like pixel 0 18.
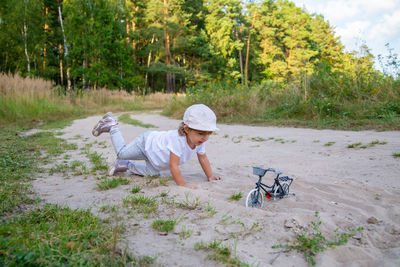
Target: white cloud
pixel 376 7
pixel 387 27
pixel 337 11
pixel 352 34
pixel 373 22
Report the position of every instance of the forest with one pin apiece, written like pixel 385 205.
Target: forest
pixel 225 53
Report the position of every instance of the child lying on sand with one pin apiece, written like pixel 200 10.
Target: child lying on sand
pixel 163 150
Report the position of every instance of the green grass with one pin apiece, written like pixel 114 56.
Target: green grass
pixel 99 163
pixel 163 225
pixel 354 145
pixel 396 155
pixel 20 159
pixel 371 144
pixel 141 204
pixel 51 235
pixel 185 233
pixel 189 204
pixel 219 253
pixel 126 118
pixel 135 189
pixel 209 210
pixel 331 143
pixel 312 241
pixel 236 196
pixel 106 183
pixel 76 167
pixel 258 139
pixel 48 235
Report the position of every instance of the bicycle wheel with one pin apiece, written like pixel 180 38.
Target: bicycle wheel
pixel 255 199
pixel 281 190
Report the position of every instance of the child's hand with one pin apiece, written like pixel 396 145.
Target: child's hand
pixel 191 186
pixel 213 178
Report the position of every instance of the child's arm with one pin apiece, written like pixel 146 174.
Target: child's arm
pixel 205 164
pixel 176 172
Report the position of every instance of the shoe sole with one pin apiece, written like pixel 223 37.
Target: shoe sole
pixel 95 131
pixel 111 172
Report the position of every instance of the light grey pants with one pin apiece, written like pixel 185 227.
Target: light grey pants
pixel 133 151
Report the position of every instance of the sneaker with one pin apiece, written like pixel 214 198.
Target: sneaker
pixel 120 165
pixel 105 124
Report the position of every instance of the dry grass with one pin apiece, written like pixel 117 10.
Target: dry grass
pixel 17 85
pixel 26 100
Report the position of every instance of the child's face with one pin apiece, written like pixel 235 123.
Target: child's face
pixel 195 137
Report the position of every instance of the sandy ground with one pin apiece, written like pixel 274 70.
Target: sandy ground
pixel 350 187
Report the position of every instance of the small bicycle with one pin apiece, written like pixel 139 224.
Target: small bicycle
pixel 278 189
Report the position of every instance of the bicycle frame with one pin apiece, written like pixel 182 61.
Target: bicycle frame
pixel 278 189
pixel 260 185
pixel 261 172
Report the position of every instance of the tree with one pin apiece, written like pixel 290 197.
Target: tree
pixel 223 17
pixel 20 35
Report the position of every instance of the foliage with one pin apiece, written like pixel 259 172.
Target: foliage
pixel 312 241
pixel 153 46
pixel 324 99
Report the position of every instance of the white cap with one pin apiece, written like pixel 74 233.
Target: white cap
pixel 200 117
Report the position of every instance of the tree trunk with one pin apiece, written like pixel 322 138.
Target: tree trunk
pixel 148 63
pixel 61 64
pixel 46 28
pixel 128 30
pixel 65 49
pixel 84 65
pixel 28 61
pixel 184 78
pixel 240 57
pixel 248 47
pixel 24 35
pixel 167 48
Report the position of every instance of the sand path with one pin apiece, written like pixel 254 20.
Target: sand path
pixel 348 186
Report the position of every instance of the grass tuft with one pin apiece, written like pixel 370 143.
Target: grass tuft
pixel 162 225
pixel 311 242
pixel 135 189
pixel 141 204
pixel 219 253
pixel 106 183
pixel 236 196
pixel 126 118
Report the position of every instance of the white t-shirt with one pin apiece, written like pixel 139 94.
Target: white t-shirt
pixel 159 144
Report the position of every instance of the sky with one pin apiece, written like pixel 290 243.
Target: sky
pixel 371 22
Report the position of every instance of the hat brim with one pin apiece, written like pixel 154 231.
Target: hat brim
pixel 199 128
